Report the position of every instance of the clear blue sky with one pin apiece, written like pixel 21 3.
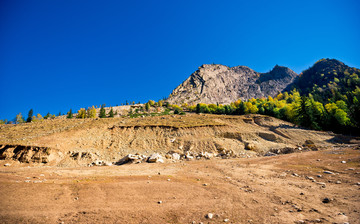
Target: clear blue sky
pixel 62 54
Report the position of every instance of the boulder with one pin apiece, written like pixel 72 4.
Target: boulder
pixel 209 216
pixel 208 155
pixel 250 146
pixel 155 158
pixel 270 154
pixel 131 158
pixel 175 156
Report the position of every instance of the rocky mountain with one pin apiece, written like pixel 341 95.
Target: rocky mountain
pixel 221 84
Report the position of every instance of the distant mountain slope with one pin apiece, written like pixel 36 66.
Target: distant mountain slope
pixel 221 84
pixel 328 79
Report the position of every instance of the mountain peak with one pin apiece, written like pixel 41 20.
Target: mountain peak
pixel 215 83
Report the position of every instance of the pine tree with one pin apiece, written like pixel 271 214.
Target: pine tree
pixel 302 112
pixel 198 108
pixel 30 114
pixel 147 106
pixel 102 112
pixel 70 114
pixel 47 115
pixel 111 113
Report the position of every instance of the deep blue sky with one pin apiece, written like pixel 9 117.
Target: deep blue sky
pixel 62 54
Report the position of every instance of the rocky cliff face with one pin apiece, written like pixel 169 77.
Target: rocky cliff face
pixel 223 85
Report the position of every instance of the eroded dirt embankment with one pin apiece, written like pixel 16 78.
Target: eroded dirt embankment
pixel 82 142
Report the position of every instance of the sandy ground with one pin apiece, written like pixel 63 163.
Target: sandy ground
pixel 275 189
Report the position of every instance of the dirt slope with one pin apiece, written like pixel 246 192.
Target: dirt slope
pixel 275 189
pixel 78 142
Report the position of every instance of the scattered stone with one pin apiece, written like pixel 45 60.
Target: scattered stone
pixel 358 183
pixel 270 154
pixel 159 202
pixel 155 158
pixel 250 146
pixel 328 172
pixel 175 156
pixel 318 160
pixel 319 176
pixel 301 193
pixel 310 178
pixel 107 164
pixel 27 181
pixel 42 175
pixel 205 184
pixel 351 169
pixel 7 164
pixel 338 182
pixel 97 163
pixel 343 161
pixel 326 200
pixel 77 198
pixel 321 183
pixel 168 179
pixel 226 220
pixel 295 174
pixel 209 216
pixel 131 158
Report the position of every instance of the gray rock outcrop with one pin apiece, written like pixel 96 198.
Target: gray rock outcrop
pixel 221 84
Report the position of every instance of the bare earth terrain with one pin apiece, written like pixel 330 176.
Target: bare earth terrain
pixel 262 170
pixel 275 189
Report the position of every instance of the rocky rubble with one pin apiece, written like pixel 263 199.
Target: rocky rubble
pixel 178 155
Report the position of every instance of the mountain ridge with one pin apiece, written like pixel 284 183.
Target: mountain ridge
pixel 215 83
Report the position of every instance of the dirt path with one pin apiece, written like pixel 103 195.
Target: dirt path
pixel 256 190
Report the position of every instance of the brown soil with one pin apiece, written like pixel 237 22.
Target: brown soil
pixel 243 190
pixel 79 142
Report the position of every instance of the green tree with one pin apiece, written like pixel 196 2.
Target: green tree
pixel 147 106
pixel 302 115
pixel 111 113
pixel 47 115
pixel 70 114
pixel 30 115
pixel 102 112
pixel 198 108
